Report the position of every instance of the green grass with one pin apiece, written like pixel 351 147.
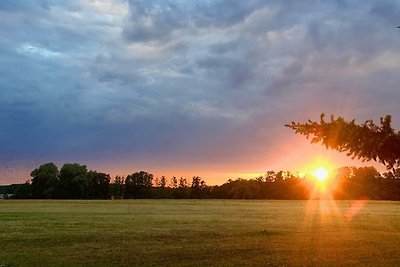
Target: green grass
pixel 198 233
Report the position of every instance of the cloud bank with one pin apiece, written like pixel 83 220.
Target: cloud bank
pixel 186 84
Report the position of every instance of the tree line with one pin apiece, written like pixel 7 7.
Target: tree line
pixel 75 181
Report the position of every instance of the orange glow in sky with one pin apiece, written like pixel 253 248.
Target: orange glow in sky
pixel 305 160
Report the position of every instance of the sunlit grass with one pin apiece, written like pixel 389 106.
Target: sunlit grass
pixel 199 233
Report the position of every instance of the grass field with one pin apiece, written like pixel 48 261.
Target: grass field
pixel 199 233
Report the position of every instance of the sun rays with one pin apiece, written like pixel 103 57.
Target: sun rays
pixel 322 183
pixel 321 207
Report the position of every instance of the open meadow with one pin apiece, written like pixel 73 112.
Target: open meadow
pixel 199 233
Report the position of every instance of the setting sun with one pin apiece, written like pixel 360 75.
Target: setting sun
pixel 321 174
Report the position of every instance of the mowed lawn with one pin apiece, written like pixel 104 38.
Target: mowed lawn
pixel 199 233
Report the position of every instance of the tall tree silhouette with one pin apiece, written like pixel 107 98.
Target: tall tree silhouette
pixel 365 141
pixel 118 187
pixel 73 181
pixel 138 185
pixel 98 185
pixel 44 180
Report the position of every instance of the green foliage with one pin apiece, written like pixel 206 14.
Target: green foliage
pixel 23 191
pixel 273 185
pixel 118 187
pixel 98 185
pixel 44 181
pixel 361 183
pixel 183 190
pixel 161 190
pixel 74 182
pixel 10 190
pixel 138 185
pixel 197 187
pixel 367 141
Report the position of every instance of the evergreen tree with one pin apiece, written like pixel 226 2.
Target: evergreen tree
pixel 366 141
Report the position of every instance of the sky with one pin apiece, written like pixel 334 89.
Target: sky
pixel 201 87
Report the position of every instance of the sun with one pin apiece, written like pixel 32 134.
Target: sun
pixel 320 178
pixel 321 174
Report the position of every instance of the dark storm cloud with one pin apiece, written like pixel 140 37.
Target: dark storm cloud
pixel 188 82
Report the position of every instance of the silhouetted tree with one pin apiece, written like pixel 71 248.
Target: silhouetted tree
pixel 366 183
pixel 269 176
pixel 161 190
pixel 342 178
pixel 138 185
pixel 244 189
pixel 23 191
pixel 366 141
pixel 9 190
pixel 73 181
pixel 118 187
pixel 174 182
pixel 391 185
pixel 183 190
pixel 156 182
pixel 182 183
pixel 44 181
pixel 98 185
pixel 163 182
pixel 197 187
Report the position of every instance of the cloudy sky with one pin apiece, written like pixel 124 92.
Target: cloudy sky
pixel 182 87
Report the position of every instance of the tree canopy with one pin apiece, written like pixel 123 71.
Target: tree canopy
pixel 367 141
pixel 44 180
pixel 74 181
pixel 138 185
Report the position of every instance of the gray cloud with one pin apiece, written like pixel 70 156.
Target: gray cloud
pixel 161 20
pixel 187 83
